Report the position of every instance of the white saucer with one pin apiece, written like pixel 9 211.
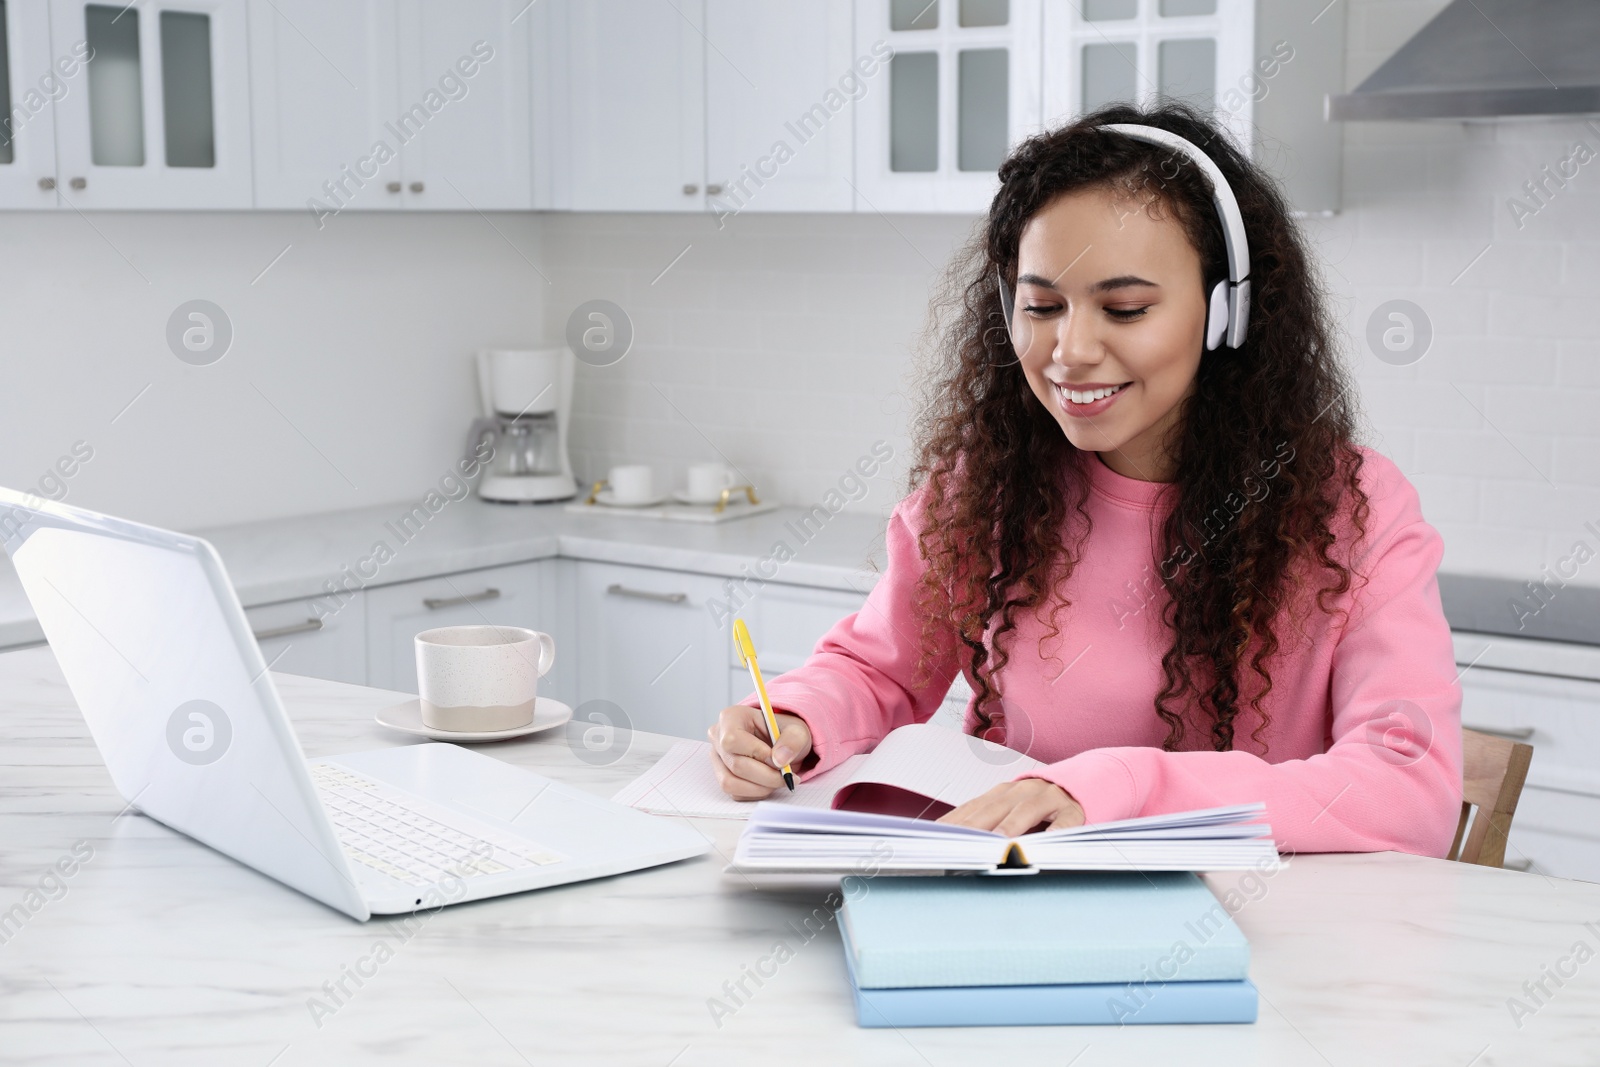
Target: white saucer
pixel 407 718
pixel 608 498
pixel 705 502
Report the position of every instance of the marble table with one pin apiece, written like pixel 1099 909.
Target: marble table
pixel 156 950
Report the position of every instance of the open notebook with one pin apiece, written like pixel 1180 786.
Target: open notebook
pixel 919 771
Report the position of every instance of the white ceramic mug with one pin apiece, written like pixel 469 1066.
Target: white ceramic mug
pixel 632 484
pixel 475 679
pixel 708 480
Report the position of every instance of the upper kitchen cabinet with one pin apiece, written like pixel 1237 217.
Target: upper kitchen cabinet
pixel 962 86
pixel 159 117
pixel 635 121
pixel 707 105
pixel 780 121
pixel 392 104
pixel 30 82
pixel 325 82
pixel 1261 68
pixel 466 64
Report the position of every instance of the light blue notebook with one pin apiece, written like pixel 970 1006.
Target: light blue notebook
pixel 1088 1004
pixel 1041 930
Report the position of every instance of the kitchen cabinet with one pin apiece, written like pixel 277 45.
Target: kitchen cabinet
pixel 634 128
pixel 1555 828
pixel 296 640
pixel 787 621
pixel 324 82
pixel 160 116
pixel 392 104
pixel 962 87
pixel 521 594
pixel 1261 68
pixel 780 121
pixel 648 644
pixel 30 82
pixel 707 105
pixel 1556 833
pixel 476 152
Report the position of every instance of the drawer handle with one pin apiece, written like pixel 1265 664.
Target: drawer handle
pixel 434 603
pixel 307 627
pixel 645 594
pixel 1515 733
pixel 1518 865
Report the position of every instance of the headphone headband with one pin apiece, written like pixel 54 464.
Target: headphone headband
pixel 1227 204
pixel 1237 296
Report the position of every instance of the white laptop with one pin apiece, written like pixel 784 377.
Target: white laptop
pixel 159 656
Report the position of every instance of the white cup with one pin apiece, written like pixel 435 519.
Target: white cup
pixel 474 679
pixel 633 484
pixel 708 480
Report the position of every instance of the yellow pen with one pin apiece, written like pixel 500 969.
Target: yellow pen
pixel 747 656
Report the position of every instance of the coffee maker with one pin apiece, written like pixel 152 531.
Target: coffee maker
pixel 527 401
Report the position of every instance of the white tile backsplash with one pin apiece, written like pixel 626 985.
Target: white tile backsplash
pixel 782 343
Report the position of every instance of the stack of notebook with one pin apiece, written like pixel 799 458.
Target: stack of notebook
pixel 1094 947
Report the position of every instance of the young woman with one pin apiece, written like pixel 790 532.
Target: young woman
pixel 1166 571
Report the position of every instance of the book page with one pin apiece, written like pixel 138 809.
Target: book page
pixel 1226 838
pixel 931 762
pixel 683 782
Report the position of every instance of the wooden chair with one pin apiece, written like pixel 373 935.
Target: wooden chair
pixel 1492 771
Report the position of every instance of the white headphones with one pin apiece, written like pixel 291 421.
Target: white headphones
pixel 1228 310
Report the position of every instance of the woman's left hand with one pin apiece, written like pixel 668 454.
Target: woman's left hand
pixel 1015 808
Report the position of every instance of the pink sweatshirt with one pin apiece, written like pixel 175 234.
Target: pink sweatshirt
pixel 1341 767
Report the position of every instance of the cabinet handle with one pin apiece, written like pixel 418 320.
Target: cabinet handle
pixel 1515 733
pixel 309 626
pixel 645 594
pixel 713 190
pixel 47 184
pixel 79 183
pixel 393 187
pixel 1518 865
pixel 416 187
pixel 434 603
pixel 690 190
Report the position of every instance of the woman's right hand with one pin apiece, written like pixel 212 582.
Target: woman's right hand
pixel 747 766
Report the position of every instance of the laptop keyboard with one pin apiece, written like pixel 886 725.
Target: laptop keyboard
pixel 411 840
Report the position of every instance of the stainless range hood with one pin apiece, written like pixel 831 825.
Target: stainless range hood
pixel 1481 59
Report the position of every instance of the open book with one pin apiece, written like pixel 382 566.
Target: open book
pixel 919 771
pixel 1215 839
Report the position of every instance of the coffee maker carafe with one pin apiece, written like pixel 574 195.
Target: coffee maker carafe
pixel 527 400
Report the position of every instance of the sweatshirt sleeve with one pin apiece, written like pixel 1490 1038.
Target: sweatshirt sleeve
pixel 1391 777
pixel 862 679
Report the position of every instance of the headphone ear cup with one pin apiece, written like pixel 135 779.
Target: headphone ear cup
pixel 1217 315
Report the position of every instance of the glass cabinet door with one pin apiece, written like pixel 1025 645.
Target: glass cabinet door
pixel 30 83
pixel 163 118
pixel 1104 51
pixel 961 88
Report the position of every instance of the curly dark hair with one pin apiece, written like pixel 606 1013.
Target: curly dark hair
pixel 1234 565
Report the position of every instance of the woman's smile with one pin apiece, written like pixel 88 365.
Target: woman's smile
pixel 1082 401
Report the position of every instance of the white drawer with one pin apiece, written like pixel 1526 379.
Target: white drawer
pixel 1559 717
pixel 787 621
pixel 1556 834
pixel 296 639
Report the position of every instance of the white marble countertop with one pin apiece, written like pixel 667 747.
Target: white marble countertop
pixel 159 951
pixel 284 559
